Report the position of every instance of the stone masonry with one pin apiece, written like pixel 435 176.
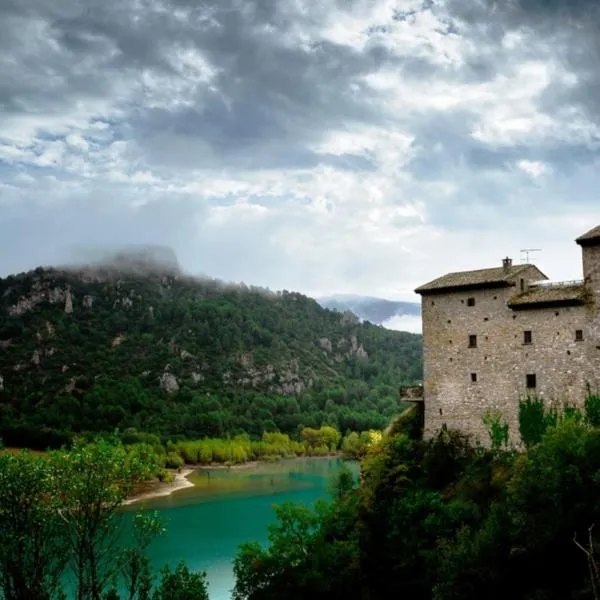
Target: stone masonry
pixel 495 336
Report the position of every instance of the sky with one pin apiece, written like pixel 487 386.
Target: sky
pixel 347 146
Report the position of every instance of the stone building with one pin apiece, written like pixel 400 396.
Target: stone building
pixel 492 337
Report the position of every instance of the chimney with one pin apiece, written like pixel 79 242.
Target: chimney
pixel 507 264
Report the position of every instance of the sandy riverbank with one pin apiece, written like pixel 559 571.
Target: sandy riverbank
pixel 180 482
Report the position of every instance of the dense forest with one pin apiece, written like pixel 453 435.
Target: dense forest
pixel 446 519
pixel 136 345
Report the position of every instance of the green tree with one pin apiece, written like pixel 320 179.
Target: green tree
pixel 134 560
pixel 33 547
pixel 256 569
pixel 181 584
pixel 93 480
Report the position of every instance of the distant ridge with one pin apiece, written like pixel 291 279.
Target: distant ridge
pixel 388 313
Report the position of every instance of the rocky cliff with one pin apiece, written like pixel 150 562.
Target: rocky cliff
pixel 62 330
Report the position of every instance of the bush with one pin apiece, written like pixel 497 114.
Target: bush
pixel 534 420
pixel 181 584
pixel 174 461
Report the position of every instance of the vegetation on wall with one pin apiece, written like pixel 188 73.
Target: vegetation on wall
pixel 94 350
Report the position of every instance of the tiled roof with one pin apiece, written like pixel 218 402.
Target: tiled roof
pixel 590 238
pixel 498 276
pixel 550 295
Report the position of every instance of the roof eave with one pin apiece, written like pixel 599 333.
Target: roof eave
pixel 533 304
pixel 424 291
pixel 586 242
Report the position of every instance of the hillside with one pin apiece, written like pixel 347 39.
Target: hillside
pixel 392 314
pixel 134 343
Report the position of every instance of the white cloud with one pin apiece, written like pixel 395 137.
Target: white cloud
pixel 365 149
pixel 535 168
pixel 408 323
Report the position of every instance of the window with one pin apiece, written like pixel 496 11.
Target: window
pixel 522 283
pixel 579 335
pixel 473 377
pixel 472 341
pixel 470 301
pixel 531 381
pixel 527 338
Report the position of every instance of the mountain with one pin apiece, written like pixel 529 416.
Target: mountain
pixel 132 342
pixel 391 314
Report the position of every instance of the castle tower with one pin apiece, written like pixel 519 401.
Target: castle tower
pixel 590 250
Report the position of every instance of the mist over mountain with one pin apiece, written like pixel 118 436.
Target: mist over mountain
pixel 128 341
pixel 391 314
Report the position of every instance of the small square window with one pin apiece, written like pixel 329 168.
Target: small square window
pixel 473 377
pixel 527 337
pixel 579 335
pixel 472 341
pixel 470 301
pixel 531 381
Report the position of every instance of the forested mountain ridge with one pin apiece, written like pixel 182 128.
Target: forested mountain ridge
pixel 136 343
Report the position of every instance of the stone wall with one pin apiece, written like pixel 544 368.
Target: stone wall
pixel 501 360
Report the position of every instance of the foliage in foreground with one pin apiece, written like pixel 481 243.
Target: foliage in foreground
pixel 446 520
pixel 60 514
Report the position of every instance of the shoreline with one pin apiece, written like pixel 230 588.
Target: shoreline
pixel 182 482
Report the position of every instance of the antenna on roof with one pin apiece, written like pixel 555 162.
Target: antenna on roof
pixel 525 252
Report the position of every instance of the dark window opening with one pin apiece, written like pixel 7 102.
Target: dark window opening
pixel 441 413
pixel 470 301
pixel 472 341
pixel 449 321
pixel 474 377
pixel 568 353
pixel 527 337
pixel 531 381
pixel 522 285
pixel 432 303
pixel 556 314
pixel 485 319
pixel 514 316
pixel 495 297
pixel 579 335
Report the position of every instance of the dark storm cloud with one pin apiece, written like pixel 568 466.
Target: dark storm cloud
pixel 566 30
pixel 266 92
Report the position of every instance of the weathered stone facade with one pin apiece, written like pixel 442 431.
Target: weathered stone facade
pixel 532 338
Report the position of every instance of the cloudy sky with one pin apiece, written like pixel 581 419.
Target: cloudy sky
pixel 347 146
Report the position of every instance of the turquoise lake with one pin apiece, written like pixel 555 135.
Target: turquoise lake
pixel 206 523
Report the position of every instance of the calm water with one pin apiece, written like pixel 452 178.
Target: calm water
pixel 206 523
